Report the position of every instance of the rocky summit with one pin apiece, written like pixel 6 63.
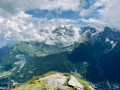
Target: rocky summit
pixel 55 81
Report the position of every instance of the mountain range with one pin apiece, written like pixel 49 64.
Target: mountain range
pixel 95 56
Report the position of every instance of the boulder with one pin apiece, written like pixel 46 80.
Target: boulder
pixel 73 82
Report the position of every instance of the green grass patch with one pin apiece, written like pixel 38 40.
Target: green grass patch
pixel 85 85
pixel 67 75
pixel 48 74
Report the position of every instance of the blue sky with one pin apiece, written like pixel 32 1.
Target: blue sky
pixel 91 17
pixel 86 10
pixel 55 14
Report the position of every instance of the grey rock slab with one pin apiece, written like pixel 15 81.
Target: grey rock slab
pixel 57 80
pixel 74 83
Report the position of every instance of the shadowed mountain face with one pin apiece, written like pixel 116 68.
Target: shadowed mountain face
pixel 97 59
pixel 105 50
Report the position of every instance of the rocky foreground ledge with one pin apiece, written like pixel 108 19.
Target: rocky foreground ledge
pixel 55 81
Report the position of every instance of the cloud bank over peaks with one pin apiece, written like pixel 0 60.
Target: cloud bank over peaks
pixel 24 27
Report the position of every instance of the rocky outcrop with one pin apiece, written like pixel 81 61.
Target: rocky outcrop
pixel 57 81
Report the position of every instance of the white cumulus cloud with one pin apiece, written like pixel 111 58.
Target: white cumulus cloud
pixel 107 11
pixel 13 6
pixel 92 20
pixel 111 12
